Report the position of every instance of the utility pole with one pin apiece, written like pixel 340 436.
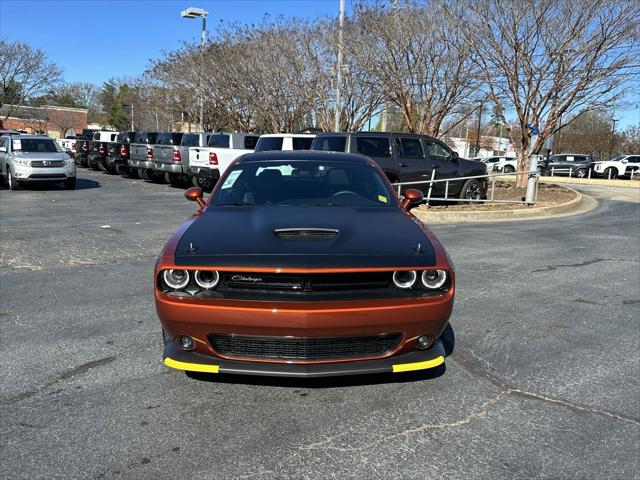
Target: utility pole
pixel 336 118
pixel 613 137
pixel 478 134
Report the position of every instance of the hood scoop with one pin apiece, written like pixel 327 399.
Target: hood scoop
pixel 306 233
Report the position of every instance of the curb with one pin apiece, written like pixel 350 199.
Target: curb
pixel 582 203
pixel 596 182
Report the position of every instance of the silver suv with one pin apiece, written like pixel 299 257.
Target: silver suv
pixel 35 158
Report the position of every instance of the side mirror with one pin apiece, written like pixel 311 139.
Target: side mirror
pixel 3 149
pixel 411 197
pixel 195 195
pixel 454 154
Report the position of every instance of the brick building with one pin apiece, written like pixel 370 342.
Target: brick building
pixel 52 120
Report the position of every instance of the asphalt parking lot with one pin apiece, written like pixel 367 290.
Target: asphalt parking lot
pixel 544 382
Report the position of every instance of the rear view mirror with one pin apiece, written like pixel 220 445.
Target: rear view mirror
pixel 411 197
pixel 195 195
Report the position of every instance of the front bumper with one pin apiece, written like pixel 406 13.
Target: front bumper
pixel 55 174
pixel 417 360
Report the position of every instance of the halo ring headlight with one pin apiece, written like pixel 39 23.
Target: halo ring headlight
pixel 404 279
pixel 207 279
pixel 434 279
pixel 176 279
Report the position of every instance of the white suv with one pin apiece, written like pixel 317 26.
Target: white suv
pixel 618 166
pixel 35 158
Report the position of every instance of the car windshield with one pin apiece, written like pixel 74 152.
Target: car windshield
pixel 304 183
pixel 39 145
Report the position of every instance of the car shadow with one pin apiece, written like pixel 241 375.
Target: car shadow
pixel 322 382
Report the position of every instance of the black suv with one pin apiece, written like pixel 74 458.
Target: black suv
pixel 406 157
pixel 574 164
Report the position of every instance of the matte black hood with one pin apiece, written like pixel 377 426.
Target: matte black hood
pixel 245 237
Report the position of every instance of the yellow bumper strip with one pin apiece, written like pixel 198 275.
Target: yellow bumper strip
pixel 408 367
pixel 191 367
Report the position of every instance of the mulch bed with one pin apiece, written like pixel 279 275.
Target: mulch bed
pixel 548 195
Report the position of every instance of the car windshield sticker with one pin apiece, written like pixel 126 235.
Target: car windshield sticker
pixel 17 144
pixel 231 179
pixel 382 198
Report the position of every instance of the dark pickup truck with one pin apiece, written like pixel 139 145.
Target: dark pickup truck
pixel 117 159
pixel 82 146
pixel 406 157
pixel 98 148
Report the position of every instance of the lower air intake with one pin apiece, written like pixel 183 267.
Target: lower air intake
pixel 305 233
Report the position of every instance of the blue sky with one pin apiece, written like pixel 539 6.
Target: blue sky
pixel 94 40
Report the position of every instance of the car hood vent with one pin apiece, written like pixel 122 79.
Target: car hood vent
pixel 306 233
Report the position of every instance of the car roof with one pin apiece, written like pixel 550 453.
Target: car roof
pixel 38 137
pixel 304 155
pixel 374 134
pixel 288 135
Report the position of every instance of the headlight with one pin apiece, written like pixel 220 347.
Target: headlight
pixel 404 279
pixel 176 279
pixel 434 279
pixel 69 161
pixel 23 161
pixel 207 279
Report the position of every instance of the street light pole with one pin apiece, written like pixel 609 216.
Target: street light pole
pixel 193 12
pixel 336 118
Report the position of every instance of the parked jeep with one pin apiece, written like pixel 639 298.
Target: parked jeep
pixel 569 164
pixel 406 157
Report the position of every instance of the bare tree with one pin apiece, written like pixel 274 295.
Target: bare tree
pixel 24 73
pixel 544 59
pixel 416 59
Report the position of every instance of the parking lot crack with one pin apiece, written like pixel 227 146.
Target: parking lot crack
pixel 510 389
pixel 73 372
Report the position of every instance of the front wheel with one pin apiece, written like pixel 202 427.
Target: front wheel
pixel 610 172
pixel 508 169
pixel 581 173
pixel 13 183
pixel 70 183
pixel 471 190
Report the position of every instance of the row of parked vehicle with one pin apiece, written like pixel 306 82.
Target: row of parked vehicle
pixel 200 158
pixel 571 164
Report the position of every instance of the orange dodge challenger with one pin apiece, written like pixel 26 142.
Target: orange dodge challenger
pixel 304 264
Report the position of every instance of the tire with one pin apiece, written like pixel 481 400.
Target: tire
pixel 508 169
pixel 581 173
pixel 448 340
pixel 129 172
pixel 541 171
pixel 155 177
pixel 70 183
pixel 610 172
pixel 471 190
pixel 142 174
pixel 174 180
pixel 13 183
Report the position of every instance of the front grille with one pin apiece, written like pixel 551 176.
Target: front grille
pixel 306 233
pixel 48 175
pixel 288 348
pixel 316 282
pixel 47 163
